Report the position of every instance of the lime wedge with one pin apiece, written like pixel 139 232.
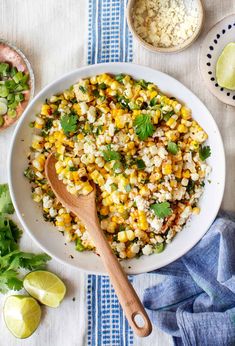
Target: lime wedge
pixel 46 287
pixel 225 67
pixel 22 315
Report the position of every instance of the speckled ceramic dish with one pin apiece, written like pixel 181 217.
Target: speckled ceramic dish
pixel 218 37
pixel 12 55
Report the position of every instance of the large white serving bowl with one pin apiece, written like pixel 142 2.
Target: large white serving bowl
pixel 52 241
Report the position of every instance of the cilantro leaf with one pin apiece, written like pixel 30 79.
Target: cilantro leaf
pixel 153 102
pixel 143 126
pixel 159 247
pixel 6 205
pixel 110 155
pixel 172 148
pixel 161 209
pixel 204 152
pixel 69 123
pixel 140 164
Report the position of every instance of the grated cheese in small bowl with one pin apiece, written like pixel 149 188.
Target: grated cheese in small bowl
pixel 165 25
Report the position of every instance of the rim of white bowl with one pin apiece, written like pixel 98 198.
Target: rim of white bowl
pixel 173 258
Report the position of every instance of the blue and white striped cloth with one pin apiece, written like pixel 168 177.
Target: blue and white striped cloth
pixel 109 40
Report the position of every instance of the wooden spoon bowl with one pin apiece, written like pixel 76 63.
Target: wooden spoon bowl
pixel 85 208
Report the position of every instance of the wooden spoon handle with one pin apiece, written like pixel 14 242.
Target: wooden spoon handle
pixel 125 292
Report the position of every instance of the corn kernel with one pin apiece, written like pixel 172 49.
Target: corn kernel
pixel 104 211
pixel 186 113
pixel 196 211
pixel 166 168
pixel 182 128
pixel 122 237
pixel 46 110
pixel 186 174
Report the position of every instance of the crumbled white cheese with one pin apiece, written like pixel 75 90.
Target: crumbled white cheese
pixel 147 250
pixel 165 23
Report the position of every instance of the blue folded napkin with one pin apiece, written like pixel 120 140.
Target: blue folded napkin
pixel 195 302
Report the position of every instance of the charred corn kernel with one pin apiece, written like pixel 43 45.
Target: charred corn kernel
pixel 182 128
pixel 130 145
pixel 196 211
pixel 80 136
pixel 46 110
pixel 186 113
pixel 104 211
pixel 66 217
pixel 172 135
pixel 144 191
pixel 166 168
pixel 122 237
pixel 129 253
pixel 141 235
pixel 173 183
pixel 155 177
pixel 186 174
pixel 142 221
pixel 111 227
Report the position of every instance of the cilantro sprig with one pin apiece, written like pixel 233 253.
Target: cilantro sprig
pixel 110 155
pixel 143 126
pixel 161 210
pixel 204 152
pixel 6 205
pixel 11 257
pixel 69 123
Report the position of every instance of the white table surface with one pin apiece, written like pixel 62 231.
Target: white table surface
pixel 53 35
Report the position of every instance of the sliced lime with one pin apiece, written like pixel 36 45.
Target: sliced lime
pixel 225 67
pixel 46 287
pixel 22 315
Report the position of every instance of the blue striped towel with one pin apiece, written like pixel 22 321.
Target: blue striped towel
pixel 109 40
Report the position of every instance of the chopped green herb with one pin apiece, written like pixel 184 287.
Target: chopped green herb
pixel 73 169
pixel 190 186
pixel 103 86
pixel 121 228
pixel 161 209
pixel 153 102
pixel 114 187
pixel 172 148
pixel 159 247
pixel 110 155
pixel 29 174
pixel 6 205
pixel 96 93
pixel 143 126
pixel 204 152
pixel 102 217
pixel 48 123
pixel 79 246
pixel 140 164
pixel 123 101
pixel 119 77
pixel 117 166
pixel 69 123
pixel 82 88
pixel 143 83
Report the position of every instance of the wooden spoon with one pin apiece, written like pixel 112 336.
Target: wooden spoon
pixel 85 208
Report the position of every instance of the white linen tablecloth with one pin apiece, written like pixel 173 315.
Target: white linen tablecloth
pixel 53 35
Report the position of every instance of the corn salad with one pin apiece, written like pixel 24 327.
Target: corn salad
pixel 142 150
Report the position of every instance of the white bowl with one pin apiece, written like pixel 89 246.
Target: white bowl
pixel 52 241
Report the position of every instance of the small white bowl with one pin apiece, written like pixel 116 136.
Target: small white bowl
pixel 173 49
pixel 51 240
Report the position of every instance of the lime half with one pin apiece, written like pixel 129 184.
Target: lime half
pixel 22 315
pixel 225 67
pixel 46 287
